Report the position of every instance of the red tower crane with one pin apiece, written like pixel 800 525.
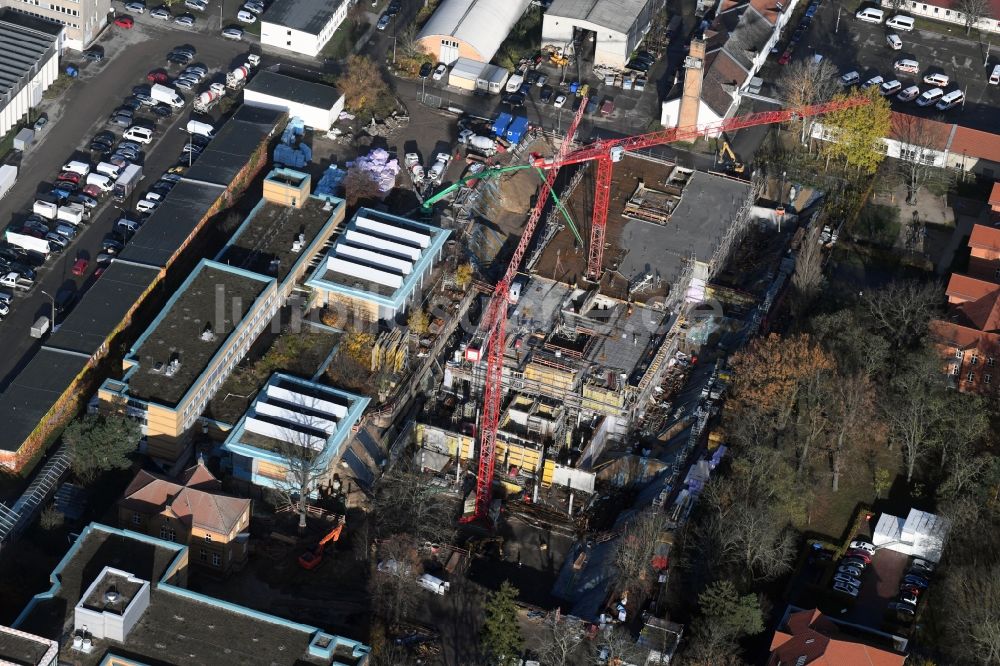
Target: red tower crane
pixel 494 324
pixel 607 152
pixel 494 327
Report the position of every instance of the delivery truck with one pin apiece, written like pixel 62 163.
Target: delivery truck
pixel 127 182
pixel 8 176
pixel 73 213
pixel 432 583
pixel 27 242
pixel 166 94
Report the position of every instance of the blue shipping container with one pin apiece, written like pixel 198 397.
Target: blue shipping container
pixel 500 125
pixel 517 128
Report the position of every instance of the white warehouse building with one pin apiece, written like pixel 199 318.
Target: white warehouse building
pixel 302 26
pixel 472 29
pixel 29 53
pixel 618 26
pixel 318 105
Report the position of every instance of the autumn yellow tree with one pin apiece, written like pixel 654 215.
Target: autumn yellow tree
pixel 767 377
pixel 857 133
pixel 418 321
pixel 358 347
pixel 365 91
pixel 463 275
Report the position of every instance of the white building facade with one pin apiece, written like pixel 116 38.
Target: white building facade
pixel 31 65
pixel 302 27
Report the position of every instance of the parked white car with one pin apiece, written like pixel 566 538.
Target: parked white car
pixel 245 16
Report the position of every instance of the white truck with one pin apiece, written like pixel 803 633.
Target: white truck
pixel 127 182
pixel 433 583
pixel 166 94
pixel 8 176
pixel 73 213
pixel 46 209
pixel 16 281
pixel 436 172
pixel 27 242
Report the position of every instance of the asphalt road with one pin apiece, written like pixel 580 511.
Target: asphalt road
pixel 74 117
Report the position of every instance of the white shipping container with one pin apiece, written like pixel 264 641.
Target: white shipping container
pixel 46 209
pixel 73 213
pixel 28 242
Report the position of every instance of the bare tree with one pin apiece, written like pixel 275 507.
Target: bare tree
pixel 303 471
pixel 972 597
pixel 852 417
pixel 394 584
pixel 406 504
pixel 807 82
pixel 615 646
pixel 902 309
pixel 972 11
pixel 895 5
pixel 920 142
pixel 561 642
pixel 635 550
pixel 808 277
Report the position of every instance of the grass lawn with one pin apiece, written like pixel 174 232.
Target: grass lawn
pixel 349 32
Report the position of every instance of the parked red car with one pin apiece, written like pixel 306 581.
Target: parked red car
pixel 68 176
pixel 157 76
pixel 124 22
pixel 93 191
pixel 785 58
pixel 80 267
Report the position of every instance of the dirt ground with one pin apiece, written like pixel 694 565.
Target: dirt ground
pixel 564 259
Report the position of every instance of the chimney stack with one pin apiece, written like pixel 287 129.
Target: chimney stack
pixel 693 74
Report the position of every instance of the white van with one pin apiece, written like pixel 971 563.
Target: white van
pixel 81 168
pixel 937 79
pixel 906 66
pixel 870 15
pixel 900 22
pixel 198 127
pixel 108 169
pixel 514 83
pixel 995 76
pixel 950 100
pixel 101 181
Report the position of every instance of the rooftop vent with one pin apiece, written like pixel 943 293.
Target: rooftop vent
pixel 112 596
pixel 207 334
pixel 173 366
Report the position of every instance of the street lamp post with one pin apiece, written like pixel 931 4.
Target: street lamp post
pixel 53 300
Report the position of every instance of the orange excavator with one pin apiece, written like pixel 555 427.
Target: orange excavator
pixel 311 558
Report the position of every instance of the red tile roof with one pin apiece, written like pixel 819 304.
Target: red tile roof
pixel 975 143
pixel 994 6
pixel 962 337
pixel 985 238
pixel 922 131
pixel 809 637
pixel 766 8
pixel 965 288
pixel 995 195
pixel 195 507
pixel 983 313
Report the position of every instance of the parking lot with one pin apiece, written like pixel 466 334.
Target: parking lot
pixel 75 116
pixel 854 45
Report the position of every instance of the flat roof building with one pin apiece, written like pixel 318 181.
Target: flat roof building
pixel 119 597
pixel 23 649
pixel 285 230
pixel 202 332
pixel 378 265
pixel 472 29
pixel 29 51
pixel 49 389
pixel 293 419
pixel 318 105
pixel 76 24
pixel 302 26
